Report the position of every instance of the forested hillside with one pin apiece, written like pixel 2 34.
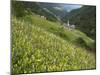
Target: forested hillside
pixel 85 20
pixel 29 7
pixel 56 9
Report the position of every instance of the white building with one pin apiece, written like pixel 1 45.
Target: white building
pixel 43 17
pixel 68 23
pixel 70 26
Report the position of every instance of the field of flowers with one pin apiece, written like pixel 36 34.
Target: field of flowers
pixel 39 45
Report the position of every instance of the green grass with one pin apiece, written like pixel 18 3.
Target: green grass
pixel 59 30
pixel 39 45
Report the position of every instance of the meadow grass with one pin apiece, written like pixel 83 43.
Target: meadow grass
pixel 39 45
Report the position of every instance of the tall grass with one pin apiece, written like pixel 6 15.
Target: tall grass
pixel 39 45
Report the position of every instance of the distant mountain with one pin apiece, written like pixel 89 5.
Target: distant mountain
pixel 84 18
pixel 52 11
pixel 38 9
pixel 19 9
pixel 55 8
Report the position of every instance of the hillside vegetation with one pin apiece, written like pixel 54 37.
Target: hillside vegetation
pixel 85 20
pixel 39 45
pixel 45 44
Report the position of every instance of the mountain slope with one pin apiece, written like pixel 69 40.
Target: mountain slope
pixel 39 45
pixel 21 8
pixel 55 8
pixel 85 20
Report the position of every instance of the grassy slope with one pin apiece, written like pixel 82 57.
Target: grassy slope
pixel 39 45
pixel 59 30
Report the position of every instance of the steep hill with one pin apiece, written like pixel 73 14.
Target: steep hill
pixel 20 8
pixel 44 45
pixel 55 8
pixel 39 45
pixel 85 20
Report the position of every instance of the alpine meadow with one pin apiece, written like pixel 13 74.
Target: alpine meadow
pixel 52 37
